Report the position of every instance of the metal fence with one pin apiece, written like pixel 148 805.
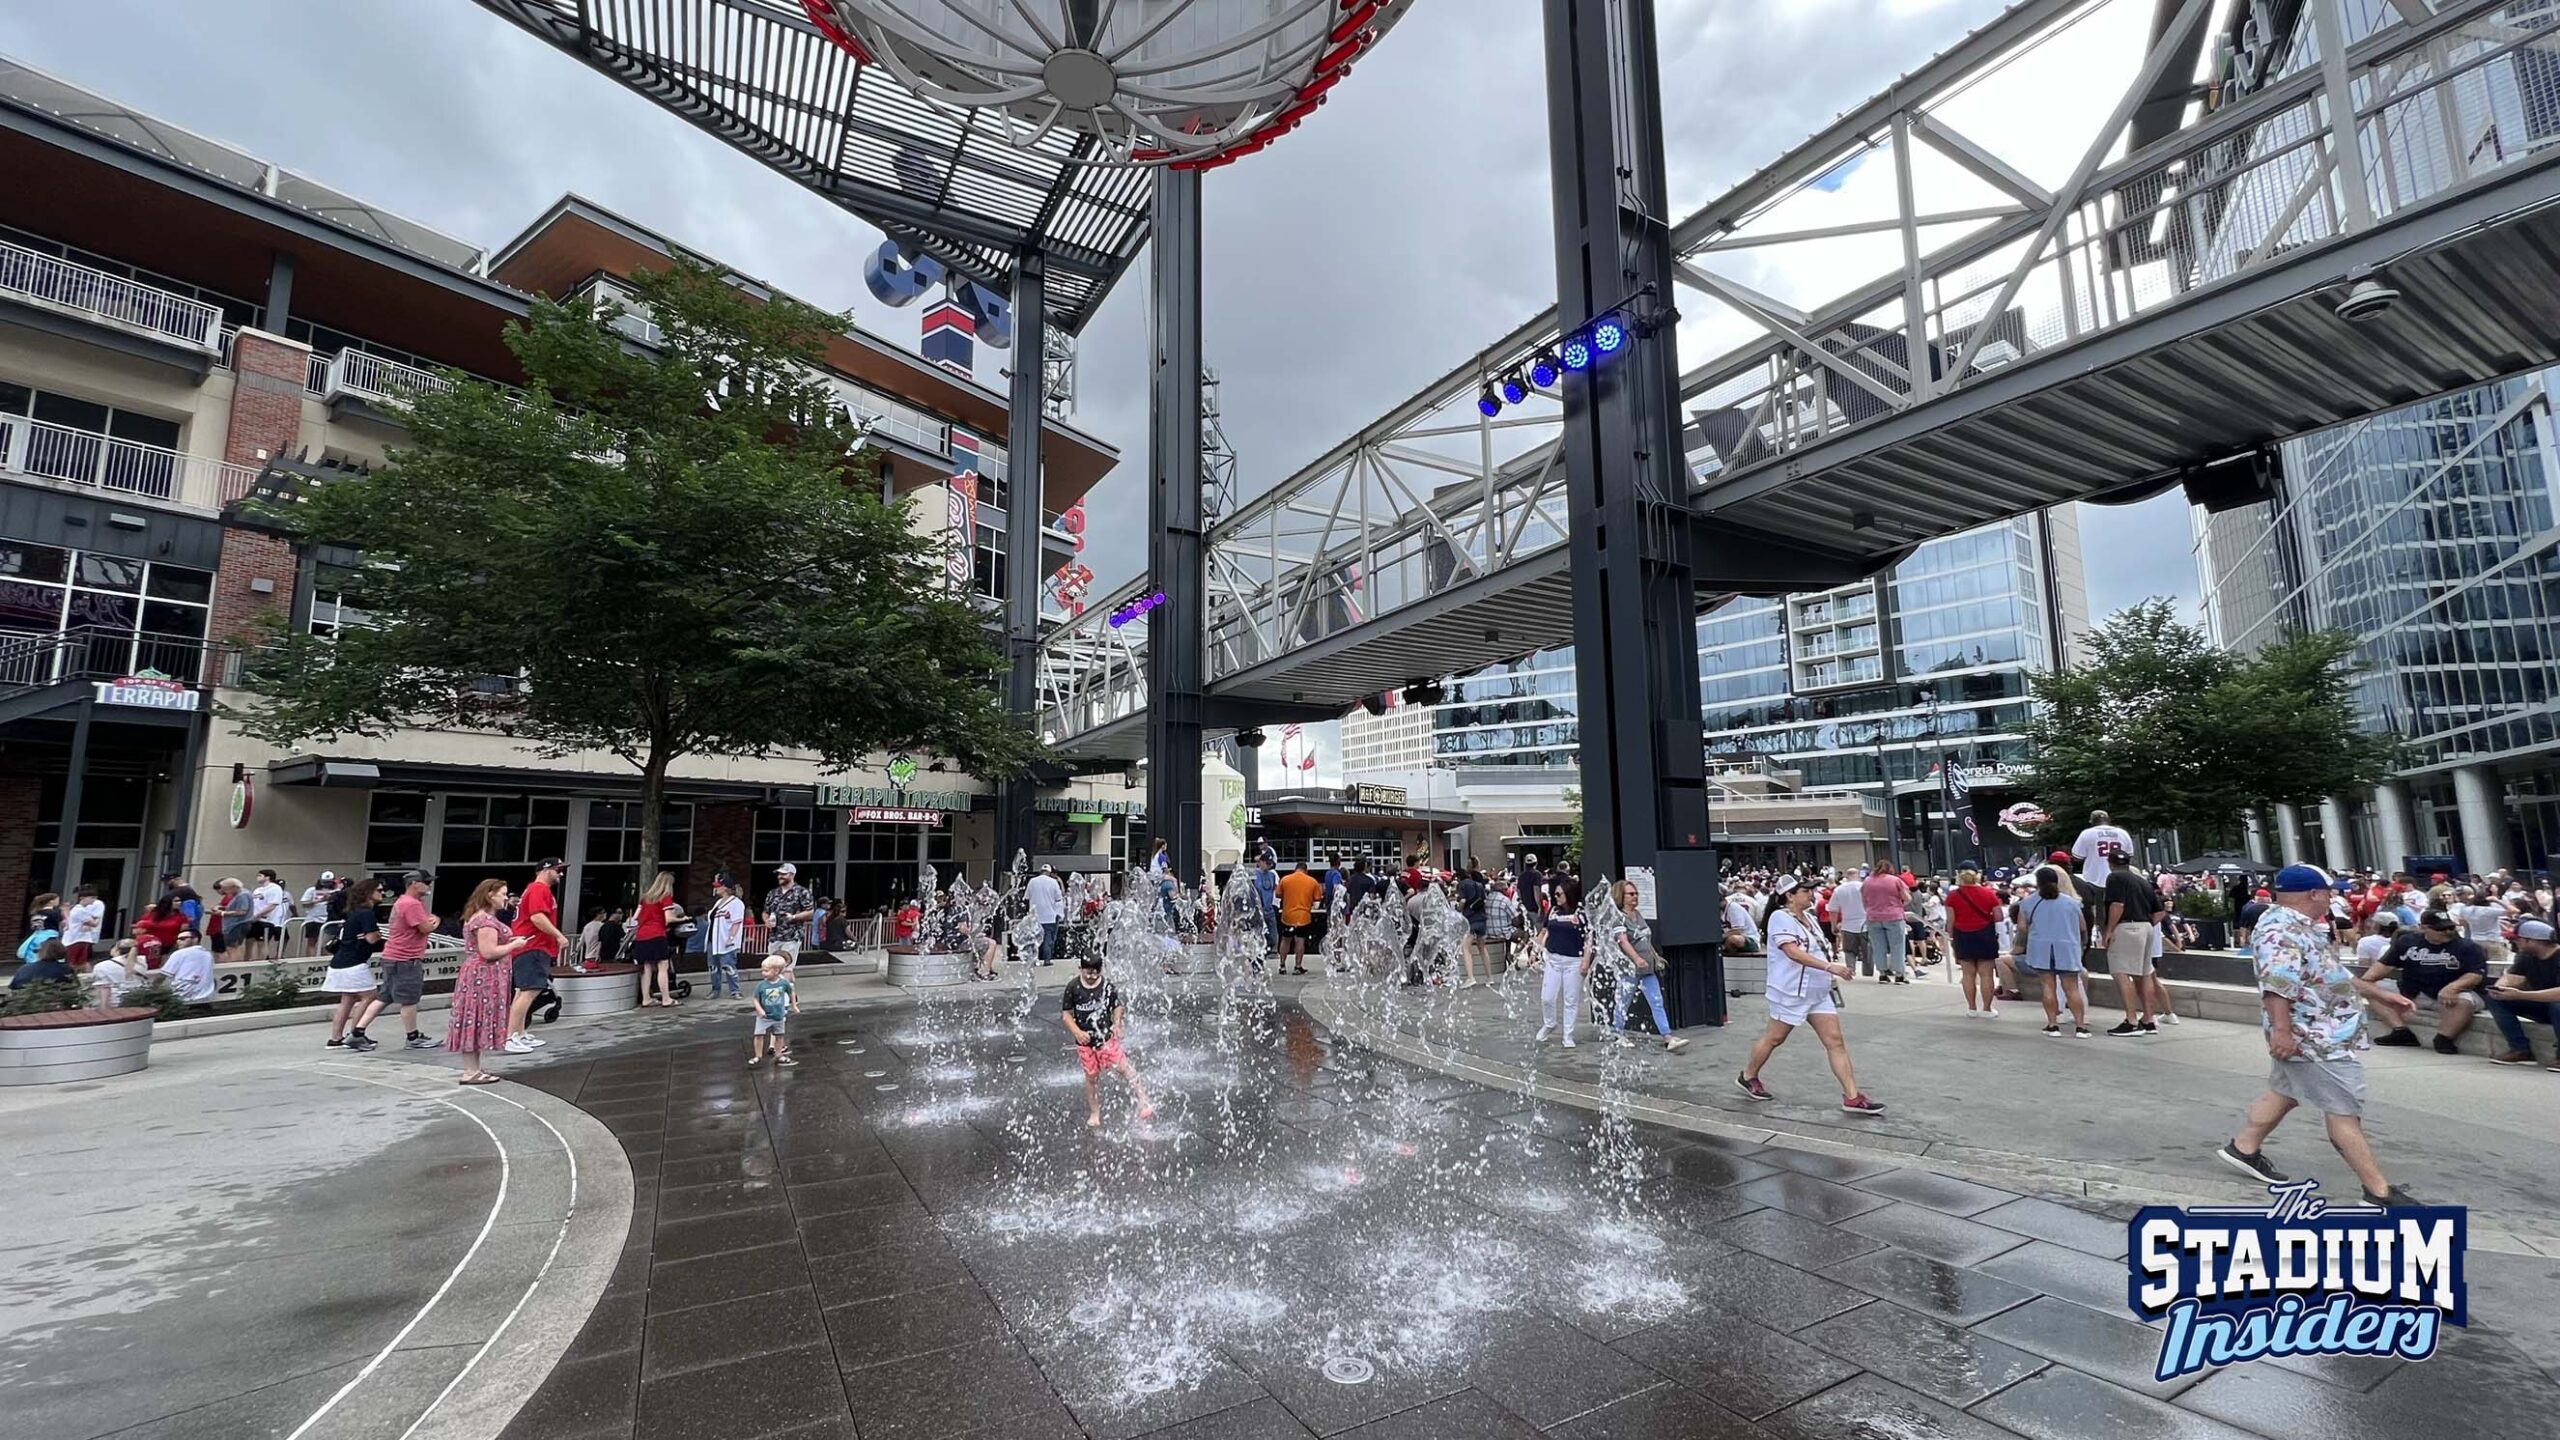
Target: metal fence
pixel 99 295
pixel 87 458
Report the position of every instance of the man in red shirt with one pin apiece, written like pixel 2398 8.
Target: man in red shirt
pixel 538 925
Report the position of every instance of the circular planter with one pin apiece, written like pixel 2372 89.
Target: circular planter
pixel 604 990
pixel 73 1045
pixel 926 969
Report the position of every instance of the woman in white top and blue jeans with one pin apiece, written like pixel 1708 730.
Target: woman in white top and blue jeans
pixel 1801 972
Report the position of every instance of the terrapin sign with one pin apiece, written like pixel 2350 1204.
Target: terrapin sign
pixel 2024 819
pixel 2295 1276
pixel 149 690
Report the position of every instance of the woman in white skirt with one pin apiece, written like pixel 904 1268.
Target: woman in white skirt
pixel 350 976
pixel 1800 993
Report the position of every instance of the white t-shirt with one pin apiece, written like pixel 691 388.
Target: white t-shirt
pixel 2093 864
pixel 2479 922
pixel 266 904
pixel 728 922
pixel 315 904
pixel 1787 977
pixel 1737 916
pixel 1047 900
pixel 1849 906
pixel 2371 948
pixel 109 977
pixel 191 971
pixel 81 923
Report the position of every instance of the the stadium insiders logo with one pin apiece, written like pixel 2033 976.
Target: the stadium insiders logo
pixel 2297 1276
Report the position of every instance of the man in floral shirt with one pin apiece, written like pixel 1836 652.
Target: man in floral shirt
pixel 2313 1019
pixel 787 909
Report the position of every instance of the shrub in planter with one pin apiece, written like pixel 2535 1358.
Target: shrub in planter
pixel 2201 905
pixel 156 993
pixel 273 989
pixel 44 997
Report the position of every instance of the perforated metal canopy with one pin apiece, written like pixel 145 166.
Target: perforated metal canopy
pixel 757 74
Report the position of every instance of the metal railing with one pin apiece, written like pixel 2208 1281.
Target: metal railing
pixel 371 377
pixel 95 294
pixel 125 467
pixel 32 662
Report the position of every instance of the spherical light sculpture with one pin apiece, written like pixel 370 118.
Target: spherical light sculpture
pixel 1188 83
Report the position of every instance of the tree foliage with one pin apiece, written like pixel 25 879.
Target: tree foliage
pixel 2165 730
pixel 654 553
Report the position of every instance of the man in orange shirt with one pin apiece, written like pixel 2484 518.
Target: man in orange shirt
pixel 1298 892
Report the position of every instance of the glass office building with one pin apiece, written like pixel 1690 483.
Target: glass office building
pixel 2428 534
pixel 1853 688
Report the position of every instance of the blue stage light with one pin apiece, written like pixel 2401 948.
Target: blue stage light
pixel 1513 392
pixel 1543 374
pixel 1577 354
pixel 1610 335
pixel 1486 403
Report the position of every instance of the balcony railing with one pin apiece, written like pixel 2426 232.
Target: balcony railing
pixel 92 294
pixel 87 458
pixel 370 377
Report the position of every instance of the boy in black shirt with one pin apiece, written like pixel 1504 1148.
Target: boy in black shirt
pixel 2437 963
pixel 1094 1013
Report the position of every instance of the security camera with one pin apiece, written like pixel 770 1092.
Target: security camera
pixel 2366 299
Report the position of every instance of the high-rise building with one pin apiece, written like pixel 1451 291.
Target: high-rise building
pixel 1854 695
pixel 2428 534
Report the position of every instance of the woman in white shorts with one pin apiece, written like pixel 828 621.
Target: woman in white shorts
pixel 1800 993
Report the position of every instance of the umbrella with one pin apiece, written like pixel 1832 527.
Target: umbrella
pixel 2216 862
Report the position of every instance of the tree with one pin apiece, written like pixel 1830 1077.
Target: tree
pixel 1573 846
pixel 2165 730
pixel 654 554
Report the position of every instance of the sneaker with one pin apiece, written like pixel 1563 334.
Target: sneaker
pixel 1859 1104
pixel 1898 980
pixel 2396 1195
pixel 517 1045
pixel 1991 1012
pixel 754 1060
pixel 2056 1030
pixel 2509 1057
pixel 1568 1042
pixel 2169 1017
pixel 1544 1031
pixel 536 1041
pixel 421 1041
pixel 362 1043
pixel 2150 1027
pixel 2254 1166
pixel 2081 1033
pixel 2398 1037
pixel 2445 1045
pixel 1674 1045
pixel 1752 1087
pixel 2125 1027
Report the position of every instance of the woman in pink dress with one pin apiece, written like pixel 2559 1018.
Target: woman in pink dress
pixel 479 1018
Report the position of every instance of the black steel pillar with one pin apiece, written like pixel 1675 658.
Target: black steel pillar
pixel 67 833
pixel 1644 781
pixel 1017 824
pixel 1177 630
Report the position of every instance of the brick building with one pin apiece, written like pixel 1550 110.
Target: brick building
pixel 181 324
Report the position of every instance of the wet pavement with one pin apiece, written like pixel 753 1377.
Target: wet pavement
pixel 913 1235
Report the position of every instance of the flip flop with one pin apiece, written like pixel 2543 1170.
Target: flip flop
pixel 479 1080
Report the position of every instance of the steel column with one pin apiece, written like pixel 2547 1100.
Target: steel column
pixel 1017 829
pixel 1644 782
pixel 1177 630
pixel 67 831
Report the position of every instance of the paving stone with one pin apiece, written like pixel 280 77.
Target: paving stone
pixel 1938 1192
pixel 2116 1348
pixel 727 1198
pixel 580 1399
pixel 1923 1231
pixel 2063 1404
pixel 715 1334
pixel 1939 1360
pixel 1544 1372
pixel 712 1235
pixel 2060 1224
pixel 1821 1164
pixel 683 1284
pixel 1873 1408
pixel 1749 1369
pixel 1665 1412
pixel 1468 1413
pixel 975 1387
pixel 2073 1275
pixel 1812 1198
pixel 871 1332
pixel 1805 1244
pixel 1950 1293
pixel 768 1395
pixel 898 1267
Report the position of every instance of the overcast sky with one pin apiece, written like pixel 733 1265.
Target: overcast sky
pixel 1397 232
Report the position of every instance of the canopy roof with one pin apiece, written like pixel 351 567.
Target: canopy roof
pixel 759 75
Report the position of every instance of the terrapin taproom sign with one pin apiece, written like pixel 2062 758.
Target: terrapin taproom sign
pixel 2296 1276
pixel 149 690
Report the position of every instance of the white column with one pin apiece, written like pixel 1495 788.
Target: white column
pixel 2484 825
pixel 2397 822
pixel 2259 850
pixel 2289 843
pixel 2337 841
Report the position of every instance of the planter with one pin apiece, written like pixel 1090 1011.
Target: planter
pixel 916 969
pixel 2211 934
pixel 73 1045
pixel 604 990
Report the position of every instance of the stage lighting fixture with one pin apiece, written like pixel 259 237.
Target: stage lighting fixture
pixel 1543 373
pixel 1486 403
pixel 1610 335
pixel 1514 389
pixel 1577 354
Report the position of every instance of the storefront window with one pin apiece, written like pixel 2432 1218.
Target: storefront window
pixel 503 829
pixel 613 833
pixel 395 831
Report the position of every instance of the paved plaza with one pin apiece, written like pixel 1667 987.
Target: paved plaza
pixel 913 1235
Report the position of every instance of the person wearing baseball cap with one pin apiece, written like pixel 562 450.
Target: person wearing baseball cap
pixel 1802 989
pixel 2436 963
pixel 537 924
pixel 2530 990
pixel 788 907
pixel 2315 1027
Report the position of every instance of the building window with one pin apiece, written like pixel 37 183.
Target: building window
pixel 503 829
pixel 987 566
pixel 795 834
pixel 395 830
pixel 883 862
pixel 151 616
pixel 613 833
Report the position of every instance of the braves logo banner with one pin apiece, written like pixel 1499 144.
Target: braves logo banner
pixel 2296 1276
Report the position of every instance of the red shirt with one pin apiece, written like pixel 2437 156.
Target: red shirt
pixel 649 922
pixel 537 901
pixel 161 931
pixel 1973 907
pixel 405 938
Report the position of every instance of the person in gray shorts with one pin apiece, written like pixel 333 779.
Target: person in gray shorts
pixel 2314 1023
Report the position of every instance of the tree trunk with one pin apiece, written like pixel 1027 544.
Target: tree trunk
pixel 653 806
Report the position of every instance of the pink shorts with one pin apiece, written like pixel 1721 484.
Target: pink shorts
pixel 1098 1059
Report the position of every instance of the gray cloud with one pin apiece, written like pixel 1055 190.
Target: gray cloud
pixel 1402 227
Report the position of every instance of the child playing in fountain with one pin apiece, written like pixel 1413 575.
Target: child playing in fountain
pixel 1094 1013
pixel 776 1001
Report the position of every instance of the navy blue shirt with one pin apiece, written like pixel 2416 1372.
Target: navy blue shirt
pixel 1564 934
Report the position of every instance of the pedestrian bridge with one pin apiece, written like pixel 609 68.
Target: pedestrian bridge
pixel 2341 218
